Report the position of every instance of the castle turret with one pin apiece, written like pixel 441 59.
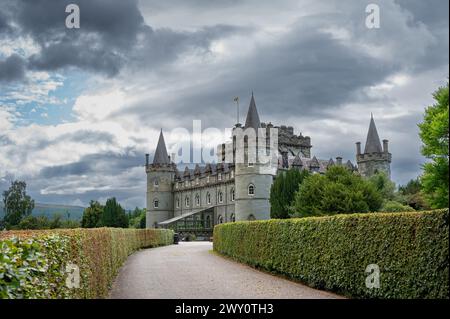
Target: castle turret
pixel 253 178
pixel 160 175
pixel 375 158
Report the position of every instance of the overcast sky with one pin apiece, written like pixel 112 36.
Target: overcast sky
pixel 79 108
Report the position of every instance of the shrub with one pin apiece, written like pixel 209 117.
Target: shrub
pixel 33 263
pixel 411 250
pixel 393 206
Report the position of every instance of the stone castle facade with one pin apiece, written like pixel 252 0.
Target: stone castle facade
pixel 194 200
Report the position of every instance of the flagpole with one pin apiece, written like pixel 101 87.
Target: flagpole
pixel 236 99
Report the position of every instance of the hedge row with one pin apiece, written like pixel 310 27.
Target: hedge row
pixel 332 253
pixel 37 264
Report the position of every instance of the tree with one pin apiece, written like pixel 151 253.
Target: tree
pixel 411 194
pixel 434 132
pixel 17 204
pixel 383 185
pixel 137 218
pixel 283 190
pixel 114 215
pixel 393 206
pixel 92 215
pixel 337 191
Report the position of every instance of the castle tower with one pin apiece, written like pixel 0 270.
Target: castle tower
pixel 160 175
pixel 253 177
pixel 375 157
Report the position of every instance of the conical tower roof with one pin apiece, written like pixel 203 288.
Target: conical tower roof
pixel 161 156
pixel 373 144
pixel 252 119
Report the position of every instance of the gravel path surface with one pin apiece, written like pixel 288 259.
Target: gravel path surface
pixel 191 270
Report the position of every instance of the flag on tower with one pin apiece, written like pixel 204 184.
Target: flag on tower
pixel 236 99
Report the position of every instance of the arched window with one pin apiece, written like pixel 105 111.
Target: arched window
pixel 197 200
pixel 251 190
pixel 232 218
pixel 208 198
pixel 251 217
pixel 232 194
pixel 208 221
pixel 220 219
pixel 220 197
pixel 186 201
pixel 178 202
pixel 156 183
pixel 155 203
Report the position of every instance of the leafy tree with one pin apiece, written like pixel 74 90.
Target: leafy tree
pixel 411 194
pixel 434 132
pixel 383 185
pixel 337 191
pixel 17 204
pixel 114 215
pixel 92 215
pixel 137 218
pixel 283 190
pixel 34 222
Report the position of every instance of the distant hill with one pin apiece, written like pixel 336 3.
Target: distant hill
pixel 66 211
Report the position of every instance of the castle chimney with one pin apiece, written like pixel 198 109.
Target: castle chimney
pixel 358 148
pixel 339 160
pixel 147 159
pixel 385 146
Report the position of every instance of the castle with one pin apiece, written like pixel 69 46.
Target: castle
pixel 237 187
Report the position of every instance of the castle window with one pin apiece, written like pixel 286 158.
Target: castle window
pixel 232 174
pixel 251 190
pixel 197 200
pixel 186 201
pixel 178 202
pixel 250 164
pixel 207 179
pixel 219 176
pixel 208 221
pixel 197 181
pixel 220 197
pixel 208 198
pixel 220 219
pixel 155 203
pixel 156 183
pixel 232 195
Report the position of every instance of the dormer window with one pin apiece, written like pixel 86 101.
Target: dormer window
pixel 219 176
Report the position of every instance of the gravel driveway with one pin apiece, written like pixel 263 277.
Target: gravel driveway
pixel 191 270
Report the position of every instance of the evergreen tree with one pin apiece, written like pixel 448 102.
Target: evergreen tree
pixel 92 215
pixel 337 191
pixel 114 215
pixel 283 190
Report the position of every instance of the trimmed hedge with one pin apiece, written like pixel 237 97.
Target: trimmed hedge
pixel 33 263
pixel 332 253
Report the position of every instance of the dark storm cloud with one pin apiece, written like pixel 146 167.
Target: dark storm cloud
pixel 12 68
pixel 112 34
pixel 102 163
